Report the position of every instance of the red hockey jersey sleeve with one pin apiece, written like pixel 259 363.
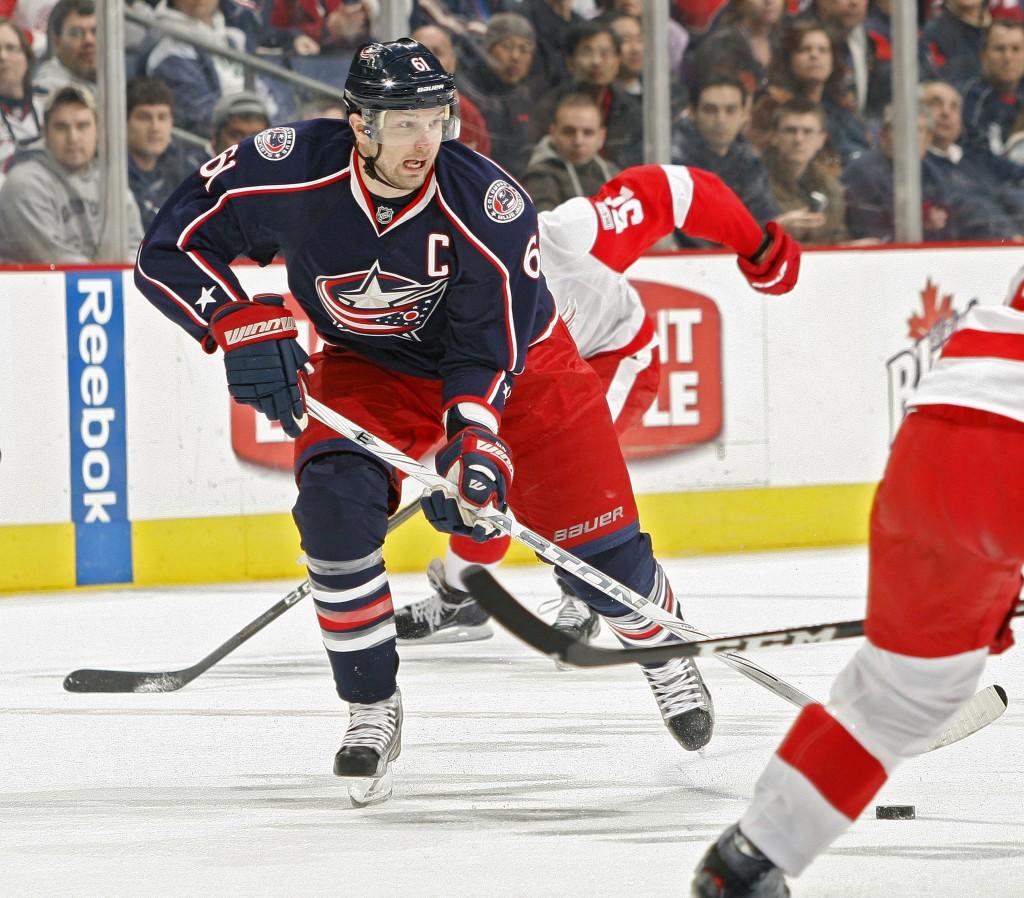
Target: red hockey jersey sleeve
pixel 645 203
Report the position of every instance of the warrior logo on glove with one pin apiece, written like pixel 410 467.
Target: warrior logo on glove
pixel 478 464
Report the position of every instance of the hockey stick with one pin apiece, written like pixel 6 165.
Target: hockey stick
pixel 515 618
pixel 550 552
pixel 88 680
pixel 983 708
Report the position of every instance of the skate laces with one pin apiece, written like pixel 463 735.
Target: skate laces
pixel 677 687
pixel 431 609
pixel 427 610
pixel 373 726
pixel 573 613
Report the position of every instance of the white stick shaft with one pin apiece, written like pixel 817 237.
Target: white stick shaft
pixel 551 552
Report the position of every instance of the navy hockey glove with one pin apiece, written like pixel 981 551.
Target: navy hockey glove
pixel 777 272
pixel 479 466
pixel 262 358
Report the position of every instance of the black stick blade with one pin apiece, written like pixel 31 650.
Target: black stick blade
pixel 122 681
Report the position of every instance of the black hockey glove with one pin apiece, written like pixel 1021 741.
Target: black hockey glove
pixel 262 358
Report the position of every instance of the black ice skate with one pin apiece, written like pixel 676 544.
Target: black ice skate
pixel 575 618
pixel 684 702
pixel 447 615
pixel 734 868
pixel 372 741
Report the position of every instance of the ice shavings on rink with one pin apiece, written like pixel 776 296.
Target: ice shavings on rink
pixel 515 779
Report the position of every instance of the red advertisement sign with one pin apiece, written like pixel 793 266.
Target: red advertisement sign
pixel 687 411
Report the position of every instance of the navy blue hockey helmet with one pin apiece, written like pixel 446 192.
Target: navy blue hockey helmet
pixel 400 74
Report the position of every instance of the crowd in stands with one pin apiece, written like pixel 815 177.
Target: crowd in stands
pixel 788 101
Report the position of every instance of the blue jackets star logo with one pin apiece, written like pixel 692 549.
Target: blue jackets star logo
pixel 377 303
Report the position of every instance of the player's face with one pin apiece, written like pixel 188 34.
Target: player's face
pixel 408 141
pixel 13 63
pixel 149 130
pixel 71 135
pixel 577 133
pixel 76 45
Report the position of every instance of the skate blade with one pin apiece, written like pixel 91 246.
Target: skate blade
pixel 366 791
pixel 452 634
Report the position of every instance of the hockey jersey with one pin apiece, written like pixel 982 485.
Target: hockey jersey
pixel 982 363
pixel 588 242
pixel 443 284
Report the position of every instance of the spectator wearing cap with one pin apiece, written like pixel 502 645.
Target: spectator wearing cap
pixel 711 138
pixel 21 106
pixel 198 79
pixel 51 205
pixel 156 164
pixel 954 39
pixel 810 197
pixel 995 99
pixel 567 162
pixel 473 131
pixel 499 84
pixel 72 31
pixel 234 118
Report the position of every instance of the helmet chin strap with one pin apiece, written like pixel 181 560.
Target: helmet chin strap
pixel 370 167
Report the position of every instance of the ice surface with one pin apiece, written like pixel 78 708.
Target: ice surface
pixel 515 779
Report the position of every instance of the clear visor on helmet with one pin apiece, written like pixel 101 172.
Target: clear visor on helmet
pixel 405 127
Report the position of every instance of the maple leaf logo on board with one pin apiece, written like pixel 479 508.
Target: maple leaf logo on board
pixel 935 311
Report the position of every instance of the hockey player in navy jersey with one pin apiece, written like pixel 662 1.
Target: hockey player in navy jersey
pixel 586 244
pixel 418 262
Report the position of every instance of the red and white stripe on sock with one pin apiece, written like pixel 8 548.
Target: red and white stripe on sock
pixel 635 629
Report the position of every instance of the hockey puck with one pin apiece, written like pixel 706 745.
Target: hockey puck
pixel 895 812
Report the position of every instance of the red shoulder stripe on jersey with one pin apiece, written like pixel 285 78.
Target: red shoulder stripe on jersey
pixel 170 294
pixel 971 343
pixel 200 220
pixel 514 364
